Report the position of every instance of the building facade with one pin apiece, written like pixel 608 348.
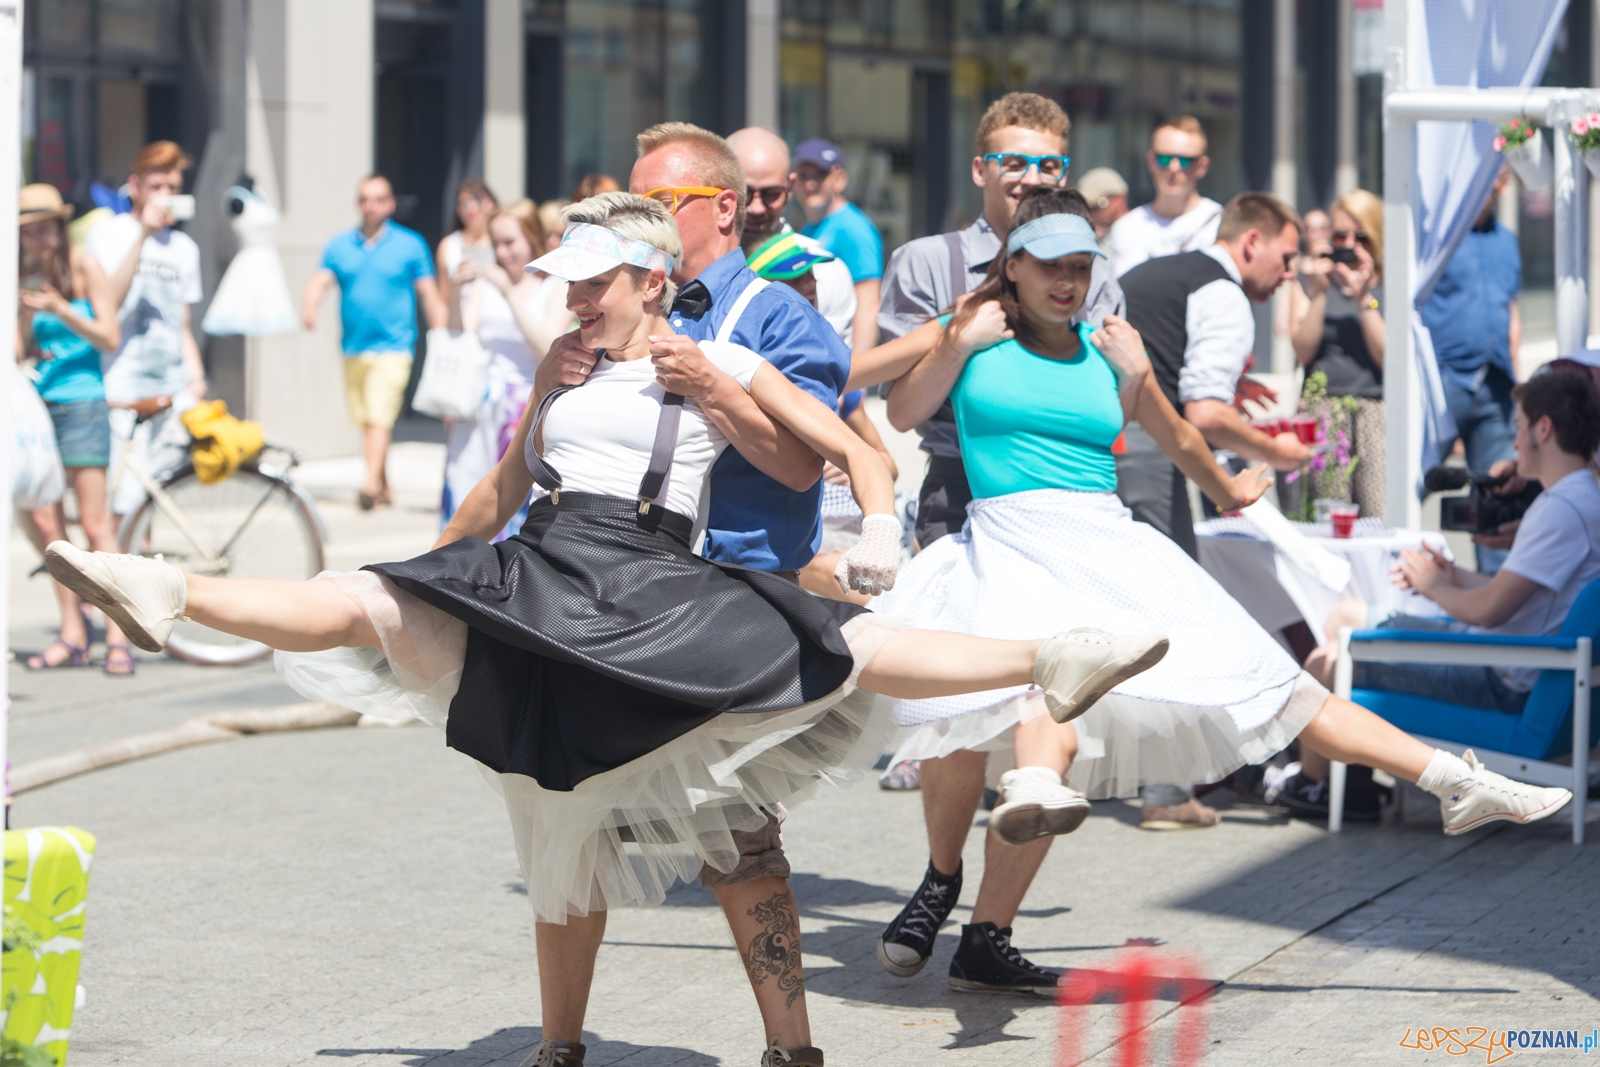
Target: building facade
pixel 308 96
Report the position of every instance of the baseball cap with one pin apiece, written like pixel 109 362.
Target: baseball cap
pixel 587 251
pixel 819 152
pixel 1100 184
pixel 781 257
pixel 1054 236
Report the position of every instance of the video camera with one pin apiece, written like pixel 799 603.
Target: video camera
pixel 1482 510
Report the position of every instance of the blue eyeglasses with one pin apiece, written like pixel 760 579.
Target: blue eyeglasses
pixel 1016 164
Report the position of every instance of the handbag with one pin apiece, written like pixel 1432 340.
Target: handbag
pixel 455 375
pixel 37 479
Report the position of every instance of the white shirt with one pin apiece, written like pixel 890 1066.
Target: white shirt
pixel 150 359
pixel 599 436
pixel 1141 234
pixel 1221 335
pixel 1557 546
pixel 836 290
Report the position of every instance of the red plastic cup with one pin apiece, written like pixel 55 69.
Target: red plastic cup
pixel 1343 517
pixel 1305 427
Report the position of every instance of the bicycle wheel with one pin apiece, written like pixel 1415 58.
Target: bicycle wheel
pixel 255 527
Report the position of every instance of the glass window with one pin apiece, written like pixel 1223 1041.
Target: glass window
pixel 55 160
pixel 62 23
pixel 143 27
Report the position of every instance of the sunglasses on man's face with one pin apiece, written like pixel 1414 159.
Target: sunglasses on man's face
pixel 672 197
pixel 1166 159
pixel 771 195
pixel 1015 165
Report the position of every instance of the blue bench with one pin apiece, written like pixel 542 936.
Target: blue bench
pixel 1558 720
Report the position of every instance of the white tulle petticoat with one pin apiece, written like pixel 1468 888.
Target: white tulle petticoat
pixel 1031 564
pixel 680 803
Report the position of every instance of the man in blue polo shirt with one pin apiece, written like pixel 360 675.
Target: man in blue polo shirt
pixel 1476 330
pixel 382 270
pixel 842 228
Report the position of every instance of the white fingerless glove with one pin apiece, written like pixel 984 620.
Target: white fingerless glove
pixel 871 565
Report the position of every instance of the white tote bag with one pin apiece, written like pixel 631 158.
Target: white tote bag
pixel 36 475
pixel 455 373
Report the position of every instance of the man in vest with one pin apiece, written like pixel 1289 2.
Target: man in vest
pixel 1193 311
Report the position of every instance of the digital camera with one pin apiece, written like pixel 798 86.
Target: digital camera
pixel 1482 510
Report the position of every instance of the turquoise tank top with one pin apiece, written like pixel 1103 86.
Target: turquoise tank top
pixel 73 371
pixel 1030 422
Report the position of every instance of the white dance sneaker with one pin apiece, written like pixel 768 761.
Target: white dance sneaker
pixel 1484 797
pixel 1035 804
pixel 142 595
pixel 1077 668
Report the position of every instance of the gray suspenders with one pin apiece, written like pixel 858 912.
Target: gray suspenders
pixel 655 474
pixel 958 267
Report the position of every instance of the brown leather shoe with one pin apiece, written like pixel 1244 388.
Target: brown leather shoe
pixel 1190 815
pixel 779 1056
pixel 550 1053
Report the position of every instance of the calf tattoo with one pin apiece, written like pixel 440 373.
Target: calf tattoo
pixel 775 951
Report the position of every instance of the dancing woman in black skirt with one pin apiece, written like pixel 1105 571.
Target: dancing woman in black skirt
pixel 615 687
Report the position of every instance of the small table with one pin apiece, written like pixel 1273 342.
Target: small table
pixel 1277 595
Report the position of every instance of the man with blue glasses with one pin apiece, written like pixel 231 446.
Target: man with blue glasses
pixel 1179 219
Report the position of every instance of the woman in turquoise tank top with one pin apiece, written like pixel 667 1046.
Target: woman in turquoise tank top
pixel 66 319
pixel 1047 546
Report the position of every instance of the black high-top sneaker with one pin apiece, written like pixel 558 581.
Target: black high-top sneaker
pixel 987 962
pixel 906 944
pixel 552 1053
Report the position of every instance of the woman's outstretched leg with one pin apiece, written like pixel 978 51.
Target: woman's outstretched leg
pixel 1074 669
pixel 566 972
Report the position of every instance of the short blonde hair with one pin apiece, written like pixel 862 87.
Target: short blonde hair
pixel 1183 124
pixel 637 217
pixel 1030 111
pixel 716 163
pixel 1367 210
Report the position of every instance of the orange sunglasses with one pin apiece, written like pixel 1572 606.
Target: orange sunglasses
pixel 683 192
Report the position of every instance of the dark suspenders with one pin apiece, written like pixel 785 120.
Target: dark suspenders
pixel 958 267
pixel 661 452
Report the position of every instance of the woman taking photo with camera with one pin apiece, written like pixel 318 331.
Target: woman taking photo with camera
pixel 1336 316
pixel 66 318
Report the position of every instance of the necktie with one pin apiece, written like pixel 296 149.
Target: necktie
pixel 694 300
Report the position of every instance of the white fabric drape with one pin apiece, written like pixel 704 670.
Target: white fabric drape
pixel 1483 44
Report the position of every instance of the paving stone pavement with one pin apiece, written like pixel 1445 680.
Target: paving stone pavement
pixel 351 896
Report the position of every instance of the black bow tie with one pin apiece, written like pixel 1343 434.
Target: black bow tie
pixel 694 300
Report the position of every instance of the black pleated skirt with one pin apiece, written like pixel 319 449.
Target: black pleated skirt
pixel 596 636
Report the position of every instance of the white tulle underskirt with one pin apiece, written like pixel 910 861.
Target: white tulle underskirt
pixel 679 804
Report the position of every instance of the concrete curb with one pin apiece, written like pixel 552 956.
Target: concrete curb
pixel 202 730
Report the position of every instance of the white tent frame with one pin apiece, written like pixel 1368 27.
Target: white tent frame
pixel 1403 108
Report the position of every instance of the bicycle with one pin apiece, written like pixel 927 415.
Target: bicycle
pixel 256 523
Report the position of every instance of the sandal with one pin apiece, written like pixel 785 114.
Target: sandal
pixel 76 657
pixel 119 654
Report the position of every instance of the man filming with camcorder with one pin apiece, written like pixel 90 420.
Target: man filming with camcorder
pixel 1554 554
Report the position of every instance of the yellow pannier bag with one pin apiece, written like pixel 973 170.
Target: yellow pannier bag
pixel 47 892
pixel 221 442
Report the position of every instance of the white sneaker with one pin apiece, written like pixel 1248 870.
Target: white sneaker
pixel 142 595
pixel 1077 668
pixel 1034 805
pixel 1485 797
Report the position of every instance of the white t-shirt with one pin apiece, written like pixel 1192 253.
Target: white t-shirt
pixel 1557 546
pixel 1141 234
pixel 150 360
pixel 599 436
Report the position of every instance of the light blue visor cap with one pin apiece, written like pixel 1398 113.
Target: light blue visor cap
pixel 1054 236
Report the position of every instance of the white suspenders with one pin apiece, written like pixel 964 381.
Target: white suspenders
pixel 724 333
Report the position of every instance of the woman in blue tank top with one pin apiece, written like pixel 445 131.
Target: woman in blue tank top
pixel 67 318
pixel 1047 546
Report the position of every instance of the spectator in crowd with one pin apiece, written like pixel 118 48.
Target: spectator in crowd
pixel 1107 196
pixel 551 224
pixel 769 183
pixel 67 319
pixel 517 314
pixel 1179 219
pixel 1193 311
pixel 156 373
pixel 468 237
pixel 382 270
pixel 1556 553
pixel 592 184
pixel 841 228
pixel 1476 327
pixel 1319 230
pixel 1336 319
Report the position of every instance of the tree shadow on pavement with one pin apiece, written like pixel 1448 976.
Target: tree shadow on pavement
pixel 513 1047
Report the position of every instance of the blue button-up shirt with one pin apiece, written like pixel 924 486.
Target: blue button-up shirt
pixel 1469 312
pixel 755 521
